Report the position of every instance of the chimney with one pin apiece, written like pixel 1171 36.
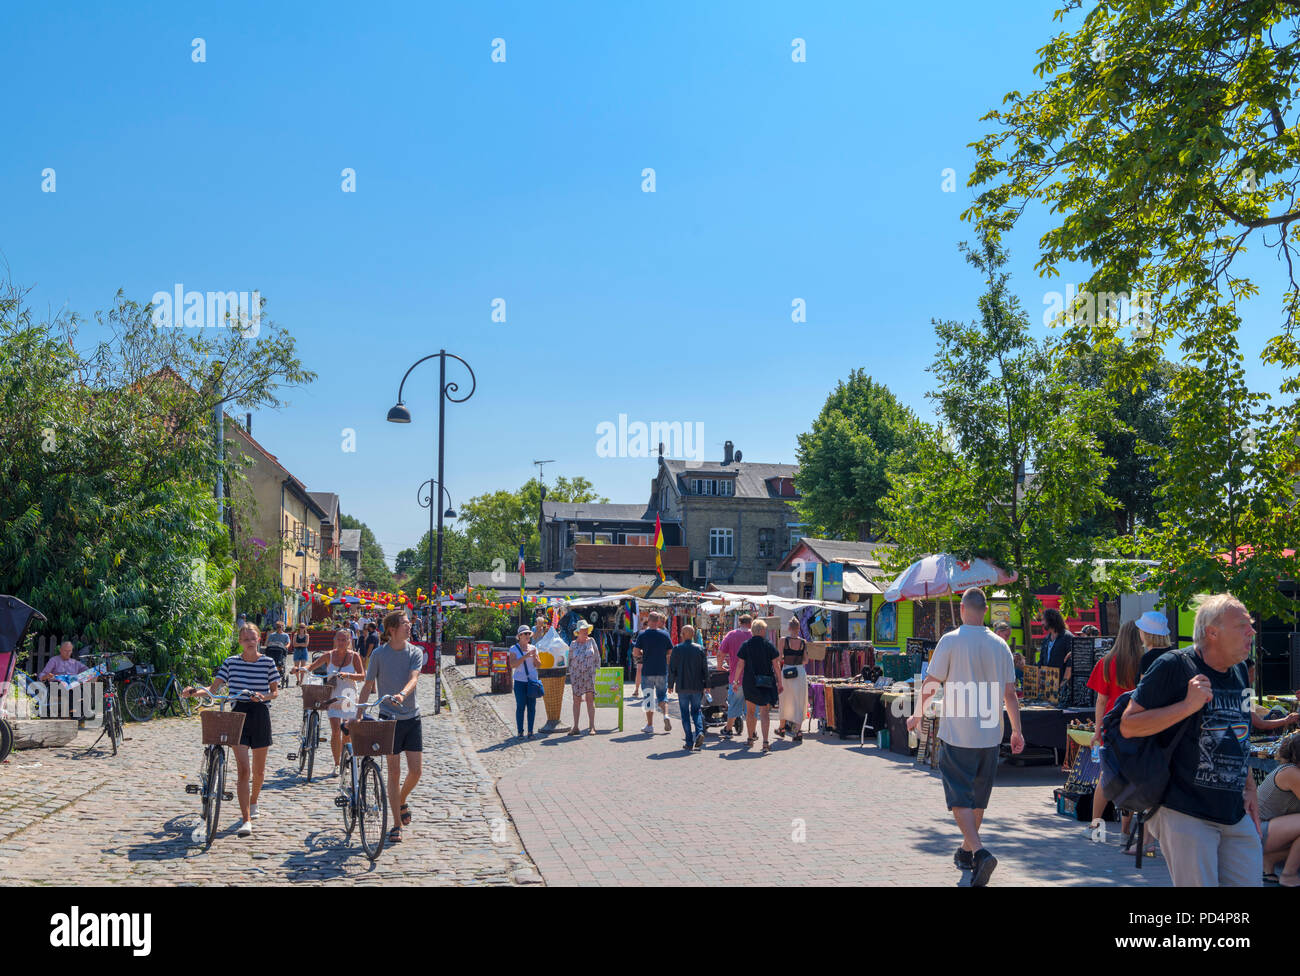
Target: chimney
pixel 727 450
pixel 248 423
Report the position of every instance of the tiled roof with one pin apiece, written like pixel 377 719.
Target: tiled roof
pixel 751 479
pixel 593 510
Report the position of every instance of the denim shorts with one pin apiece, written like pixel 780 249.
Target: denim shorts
pixel 655 687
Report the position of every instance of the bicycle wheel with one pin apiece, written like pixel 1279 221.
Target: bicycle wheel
pixel 216 787
pixel 372 809
pixel 6 739
pixel 313 733
pixel 302 742
pixel 139 701
pixel 178 706
pixel 114 725
pixel 349 808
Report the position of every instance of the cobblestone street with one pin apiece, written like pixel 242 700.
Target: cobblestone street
pixel 68 816
pixel 630 808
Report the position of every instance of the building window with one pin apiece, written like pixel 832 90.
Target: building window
pixel 603 538
pixel 638 539
pixel 720 542
pixel 766 543
pixel 797 533
pixel 712 486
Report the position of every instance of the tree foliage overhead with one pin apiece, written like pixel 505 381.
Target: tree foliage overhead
pixel 1164 140
pixel 844 460
pixel 1006 410
pixel 108 523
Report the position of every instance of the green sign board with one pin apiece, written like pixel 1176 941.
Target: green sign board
pixel 609 691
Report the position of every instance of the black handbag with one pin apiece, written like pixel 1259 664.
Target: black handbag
pixel 790 671
pixel 764 681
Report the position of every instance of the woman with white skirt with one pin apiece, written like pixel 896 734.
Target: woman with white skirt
pixel 794 690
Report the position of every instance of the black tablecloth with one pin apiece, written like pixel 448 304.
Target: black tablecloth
pixel 1044 728
pixel 864 702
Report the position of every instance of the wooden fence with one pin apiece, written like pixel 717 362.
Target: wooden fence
pixel 40 648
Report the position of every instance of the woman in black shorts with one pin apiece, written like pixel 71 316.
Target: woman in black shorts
pixel 254 672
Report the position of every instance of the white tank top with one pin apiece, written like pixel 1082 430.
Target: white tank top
pixel 344 684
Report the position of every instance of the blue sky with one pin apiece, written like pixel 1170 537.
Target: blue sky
pixel 522 181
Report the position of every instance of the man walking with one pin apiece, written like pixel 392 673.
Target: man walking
pixel 688 672
pixel 656 647
pixel 978 675
pixel 728 648
pixel 394 669
pixel 1208 826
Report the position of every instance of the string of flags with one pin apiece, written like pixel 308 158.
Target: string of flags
pixel 382 599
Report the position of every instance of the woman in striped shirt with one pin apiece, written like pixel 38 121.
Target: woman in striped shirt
pixel 256 673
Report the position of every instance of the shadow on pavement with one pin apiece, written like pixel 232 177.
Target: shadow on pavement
pixel 171 842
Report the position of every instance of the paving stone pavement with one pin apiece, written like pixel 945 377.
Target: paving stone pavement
pixel 68 816
pixel 630 808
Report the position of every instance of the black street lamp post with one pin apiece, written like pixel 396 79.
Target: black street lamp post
pixel 426 500
pixel 400 415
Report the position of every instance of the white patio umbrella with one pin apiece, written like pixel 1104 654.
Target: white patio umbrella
pixel 942 574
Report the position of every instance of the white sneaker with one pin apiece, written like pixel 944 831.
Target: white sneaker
pixel 649 729
pixel 252 812
pixel 245 829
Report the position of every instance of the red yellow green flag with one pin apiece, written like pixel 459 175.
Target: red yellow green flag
pixel 659 545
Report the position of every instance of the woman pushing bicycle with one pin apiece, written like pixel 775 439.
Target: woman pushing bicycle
pixel 342 663
pixel 254 673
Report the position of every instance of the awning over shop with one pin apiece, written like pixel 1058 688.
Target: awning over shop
pixel 857 581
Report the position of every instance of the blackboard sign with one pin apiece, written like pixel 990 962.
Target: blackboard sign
pixel 1087 652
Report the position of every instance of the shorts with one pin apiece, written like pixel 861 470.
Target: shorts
pixel 257 724
pixel 408 736
pixel 655 687
pixel 967 775
pixel 299 654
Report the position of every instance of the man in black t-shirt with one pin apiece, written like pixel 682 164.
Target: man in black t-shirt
pixel 655 646
pixel 1209 824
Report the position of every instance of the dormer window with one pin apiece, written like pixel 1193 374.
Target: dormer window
pixel 713 486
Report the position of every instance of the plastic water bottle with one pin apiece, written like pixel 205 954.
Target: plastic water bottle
pixel 1096 752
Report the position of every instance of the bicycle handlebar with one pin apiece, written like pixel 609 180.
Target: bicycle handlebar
pixel 244 695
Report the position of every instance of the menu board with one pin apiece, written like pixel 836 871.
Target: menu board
pixel 482 659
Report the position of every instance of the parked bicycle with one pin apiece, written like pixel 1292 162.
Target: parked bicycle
pixel 143 699
pixel 363 797
pixel 111 722
pixel 220 729
pixel 314 698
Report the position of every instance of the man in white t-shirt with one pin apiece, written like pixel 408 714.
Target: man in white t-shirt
pixel 975 667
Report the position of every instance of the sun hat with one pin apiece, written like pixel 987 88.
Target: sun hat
pixel 582 625
pixel 1153 622
pixel 523 629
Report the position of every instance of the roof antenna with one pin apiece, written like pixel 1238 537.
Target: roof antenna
pixel 541 470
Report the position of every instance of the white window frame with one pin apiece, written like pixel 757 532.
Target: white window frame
pixel 716 537
pixel 770 551
pixel 643 538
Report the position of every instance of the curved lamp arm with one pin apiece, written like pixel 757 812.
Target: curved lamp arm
pixel 450 387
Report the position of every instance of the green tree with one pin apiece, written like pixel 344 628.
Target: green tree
pixel 108 523
pixel 1005 410
pixel 1161 143
pixel 407 562
pixel 844 461
pixel 1138 438
pixel 372 573
pixel 577 489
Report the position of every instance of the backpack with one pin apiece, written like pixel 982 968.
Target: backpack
pixel 1135 772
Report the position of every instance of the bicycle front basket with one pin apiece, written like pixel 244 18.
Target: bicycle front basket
pixel 315 696
pixel 372 738
pixel 221 728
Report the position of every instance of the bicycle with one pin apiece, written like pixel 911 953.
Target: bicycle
pixel 111 725
pixel 314 698
pixel 142 700
pixel 363 798
pixel 220 729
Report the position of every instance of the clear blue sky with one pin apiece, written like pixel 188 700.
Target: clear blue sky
pixel 520 180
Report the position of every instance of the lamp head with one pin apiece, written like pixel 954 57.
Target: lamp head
pixel 450 513
pixel 398 414
pixel 300 553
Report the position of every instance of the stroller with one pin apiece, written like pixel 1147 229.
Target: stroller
pixel 15 618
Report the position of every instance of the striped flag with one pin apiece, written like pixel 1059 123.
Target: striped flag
pixel 521 571
pixel 659 545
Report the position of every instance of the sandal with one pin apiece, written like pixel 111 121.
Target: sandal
pixel 395 835
pixel 406 815
pixel 766 746
pixel 573 731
